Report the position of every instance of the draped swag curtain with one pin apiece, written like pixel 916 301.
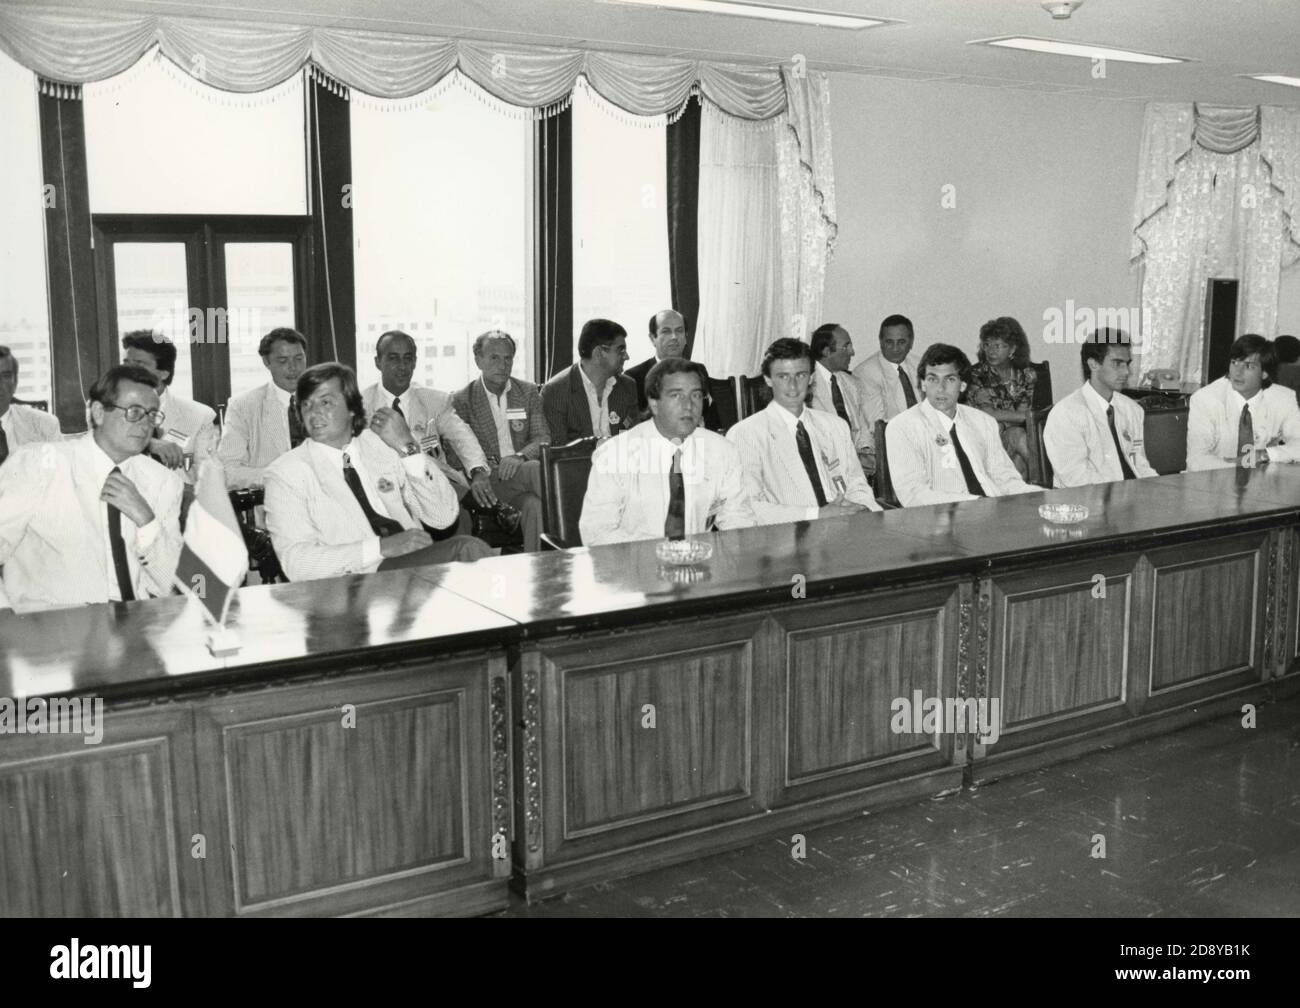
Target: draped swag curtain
pixel 1218 196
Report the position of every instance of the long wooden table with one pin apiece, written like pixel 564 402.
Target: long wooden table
pixel 652 714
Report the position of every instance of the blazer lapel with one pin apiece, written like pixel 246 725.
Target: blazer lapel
pixel 578 409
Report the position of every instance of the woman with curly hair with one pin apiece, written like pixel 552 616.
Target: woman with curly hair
pixel 1002 384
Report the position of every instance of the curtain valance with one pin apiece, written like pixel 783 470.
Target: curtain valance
pixel 75 47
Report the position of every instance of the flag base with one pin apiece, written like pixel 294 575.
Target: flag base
pixel 223 642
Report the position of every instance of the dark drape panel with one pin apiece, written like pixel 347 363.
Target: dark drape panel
pixel 332 321
pixel 553 245
pixel 683 205
pixel 76 355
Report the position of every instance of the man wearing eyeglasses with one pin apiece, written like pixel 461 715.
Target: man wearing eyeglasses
pixel 593 397
pixel 92 519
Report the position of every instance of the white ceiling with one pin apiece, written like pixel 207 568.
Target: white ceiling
pixel 1224 37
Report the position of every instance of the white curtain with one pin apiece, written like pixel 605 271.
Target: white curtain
pixel 1216 196
pixel 75 47
pixel 807 182
pixel 739 243
pixel 767 227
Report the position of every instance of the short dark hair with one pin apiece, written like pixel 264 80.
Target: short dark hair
pixel 155 344
pixel 896 320
pixel 483 339
pixel 318 374
pixel 670 366
pixel 106 387
pixel 654 329
pixel 598 332
pixel 7 354
pixel 1010 332
pixel 1252 343
pixel 786 348
pixel 822 338
pixel 391 334
pixel 943 353
pixel 1287 347
pixel 285 334
pixel 1099 341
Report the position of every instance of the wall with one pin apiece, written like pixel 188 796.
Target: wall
pixel 1043 189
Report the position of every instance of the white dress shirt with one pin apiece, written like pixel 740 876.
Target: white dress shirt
pixel 1215 414
pixel 26 424
pixel 923 463
pixel 882 392
pixel 144 535
pixel 599 407
pixel 501 415
pixel 627 492
pixel 861 427
pixel 1079 443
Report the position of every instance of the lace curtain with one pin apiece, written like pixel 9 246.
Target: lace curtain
pixel 767 227
pixel 1216 197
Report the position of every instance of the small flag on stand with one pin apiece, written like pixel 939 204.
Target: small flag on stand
pixel 214 559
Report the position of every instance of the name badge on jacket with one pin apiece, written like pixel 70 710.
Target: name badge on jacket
pixel 517 418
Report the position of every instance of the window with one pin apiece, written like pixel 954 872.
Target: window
pixel 24 312
pixel 620 219
pixel 160 142
pixel 442 229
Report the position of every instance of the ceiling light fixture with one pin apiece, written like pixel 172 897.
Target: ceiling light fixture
pixel 1061 9
pixel 1275 79
pixel 1081 49
pixel 793 15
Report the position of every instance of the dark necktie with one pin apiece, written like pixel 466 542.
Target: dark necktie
pixel 908 392
pixel 379 525
pixel 675 523
pixel 4 446
pixel 397 405
pixel 1123 462
pixel 809 463
pixel 837 400
pixel 297 432
pixel 963 460
pixel 118 546
pixel 1245 434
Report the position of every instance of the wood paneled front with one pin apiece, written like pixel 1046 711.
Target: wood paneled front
pixel 847 665
pixel 1061 646
pixel 100 830
pixel 1207 610
pixel 357 795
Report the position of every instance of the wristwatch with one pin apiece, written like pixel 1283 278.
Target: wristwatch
pixel 483 469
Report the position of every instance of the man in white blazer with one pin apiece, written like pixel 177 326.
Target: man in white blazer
pixel 190 426
pixel 1095 434
pixel 835 390
pixel 350 499
pixel 1243 417
pixel 19 424
pixel 888 378
pixel 941 451
pixel 92 519
pixel 438 429
pixel 667 477
pixel 264 423
pixel 799 463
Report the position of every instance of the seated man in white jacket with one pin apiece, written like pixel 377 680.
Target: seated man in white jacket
pixel 92 519
pixel 1094 435
pixel 799 463
pixel 667 477
pixel 1243 418
pixel 350 499
pixel 940 451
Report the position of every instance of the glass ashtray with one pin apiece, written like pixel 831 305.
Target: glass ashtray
pixel 1063 514
pixel 683 552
